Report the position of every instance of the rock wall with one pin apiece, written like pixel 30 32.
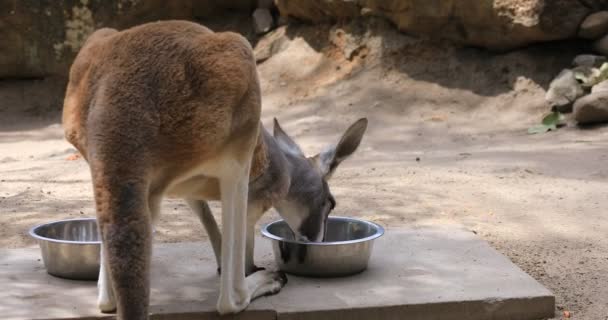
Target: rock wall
pixel 492 24
pixel 39 38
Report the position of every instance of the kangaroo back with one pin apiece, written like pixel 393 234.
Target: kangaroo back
pixel 149 108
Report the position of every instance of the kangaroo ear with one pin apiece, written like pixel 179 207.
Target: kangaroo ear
pixel 284 141
pixel 328 160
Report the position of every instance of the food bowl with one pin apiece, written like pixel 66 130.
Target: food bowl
pixel 70 248
pixel 346 250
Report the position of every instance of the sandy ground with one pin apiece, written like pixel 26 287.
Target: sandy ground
pixel 446 144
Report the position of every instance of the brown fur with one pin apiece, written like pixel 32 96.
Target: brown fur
pixel 171 108
pixel 145 106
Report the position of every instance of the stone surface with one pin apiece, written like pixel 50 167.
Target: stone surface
pixel 41 38
pixel 348 43
pixel 431 273
pixel 588 60
pixel 602 86
pixel 594 26
pixel 266 4
pixel 275 42
pixel 601 45
pixel 563 91
pixel 262 20
pixel 500 24
pixel 592 108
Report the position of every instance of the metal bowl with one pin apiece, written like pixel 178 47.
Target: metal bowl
pixel 70 248
pixel 345 251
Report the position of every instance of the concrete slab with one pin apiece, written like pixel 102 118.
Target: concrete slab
pixel 431 273
pixel 439 273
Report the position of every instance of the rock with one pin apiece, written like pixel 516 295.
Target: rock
pixel 563 91
pixel 347 42
pixel 262 20
pixel 282 20
pixel 498 24
pixel 41 38
pixel 592 108
pixel 566 108
pixel 602 86
pixel 588 60
pixel 601 45
pixel 585 72
pixel 594 26
pixel 271 44
pixel 318 10
pixel 264 4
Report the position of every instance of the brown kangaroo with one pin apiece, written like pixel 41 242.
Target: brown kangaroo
pixel 173 109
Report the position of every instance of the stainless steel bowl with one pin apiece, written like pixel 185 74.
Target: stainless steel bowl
pixel 70 248
pixel 346 250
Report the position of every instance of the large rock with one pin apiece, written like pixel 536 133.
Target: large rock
pixel 498 24
pixel 592 108
pixel 601 45
pixel 41 38
pixel 594 26
pixel 602 86
pixel 273 43
pixel 588 61
pixel 265 4
pixel 563 91
pixel 262 20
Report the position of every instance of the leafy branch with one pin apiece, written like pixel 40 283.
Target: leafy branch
pixel 550 123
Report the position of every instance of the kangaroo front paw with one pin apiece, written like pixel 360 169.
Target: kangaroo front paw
pixel 250 270
pixel 279 281
pixel 253 269
pixel 282 277
pixel 263 283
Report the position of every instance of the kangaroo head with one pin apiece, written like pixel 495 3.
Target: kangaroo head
pixel 309 200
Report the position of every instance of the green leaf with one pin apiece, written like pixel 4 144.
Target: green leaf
pixel 552 119
pixel 549 123
pixel 539 128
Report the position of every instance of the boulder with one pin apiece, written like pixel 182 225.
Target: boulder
pixel 265 4
pixel 588 61
pixel 41 38
pixel 262 20
pixel 602 86
pixel 563 91
pixel 592 108
pixel 347 41
pixel 271 44
pixel 498 24
pixel 601 45
pixel 594 26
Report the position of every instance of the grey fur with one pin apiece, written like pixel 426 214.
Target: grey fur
pixel 292 180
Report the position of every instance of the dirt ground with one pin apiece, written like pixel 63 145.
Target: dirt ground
pixel 446 144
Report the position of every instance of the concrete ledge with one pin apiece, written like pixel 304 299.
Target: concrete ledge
pixel 431 273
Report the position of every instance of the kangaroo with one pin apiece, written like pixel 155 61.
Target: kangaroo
pixel 172 109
